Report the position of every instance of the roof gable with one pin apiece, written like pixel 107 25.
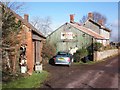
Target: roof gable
pixel 56 30
pixel 83 29
pixel 100 26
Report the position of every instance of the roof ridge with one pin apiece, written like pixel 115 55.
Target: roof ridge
pixel 87 30
pixel 101 26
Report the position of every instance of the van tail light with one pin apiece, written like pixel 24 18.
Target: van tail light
pixel 68 59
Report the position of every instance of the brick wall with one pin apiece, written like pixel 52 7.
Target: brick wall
pixel 26 38
pixel 29 51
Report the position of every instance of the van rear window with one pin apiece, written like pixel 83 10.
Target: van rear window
pixel 62 53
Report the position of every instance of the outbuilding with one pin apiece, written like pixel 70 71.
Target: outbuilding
pixel 30 43
pixel 33 39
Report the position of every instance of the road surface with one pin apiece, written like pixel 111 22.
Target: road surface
pixel 100 75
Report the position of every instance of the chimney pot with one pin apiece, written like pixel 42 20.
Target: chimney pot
pixel 26 17
pixel 100 22
pixel 90 15
pixel 71 18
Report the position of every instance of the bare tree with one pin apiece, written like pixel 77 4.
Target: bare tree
pixel 96 17
pixel 42 24
pixel 84 19
pixel 18 7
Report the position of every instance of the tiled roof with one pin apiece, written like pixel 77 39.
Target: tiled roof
pixel 87 31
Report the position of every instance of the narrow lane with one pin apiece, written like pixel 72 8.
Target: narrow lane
pixel 100 75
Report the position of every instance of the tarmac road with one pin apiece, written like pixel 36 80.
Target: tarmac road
pixel 100 75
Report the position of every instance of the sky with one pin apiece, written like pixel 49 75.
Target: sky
pixel 59 12
pixel 63 0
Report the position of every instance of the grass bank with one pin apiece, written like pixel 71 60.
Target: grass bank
pixel 33 81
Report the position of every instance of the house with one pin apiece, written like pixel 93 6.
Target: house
pixel 71 35
pixel 99 28
pixel 32 39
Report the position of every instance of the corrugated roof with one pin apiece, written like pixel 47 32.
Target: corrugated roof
pixel 87 30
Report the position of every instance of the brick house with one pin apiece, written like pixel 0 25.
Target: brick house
pixel 32 38
pixel 99 28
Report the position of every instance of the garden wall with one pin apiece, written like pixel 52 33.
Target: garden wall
pixel 104 54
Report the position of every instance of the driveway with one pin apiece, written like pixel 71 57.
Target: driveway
pixel 100 75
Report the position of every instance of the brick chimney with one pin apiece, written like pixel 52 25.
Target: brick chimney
pixel 90 15
pixel 26 17
pixel 71 18
pixel 101 22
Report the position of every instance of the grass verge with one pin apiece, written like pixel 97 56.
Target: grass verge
pixel 33 81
